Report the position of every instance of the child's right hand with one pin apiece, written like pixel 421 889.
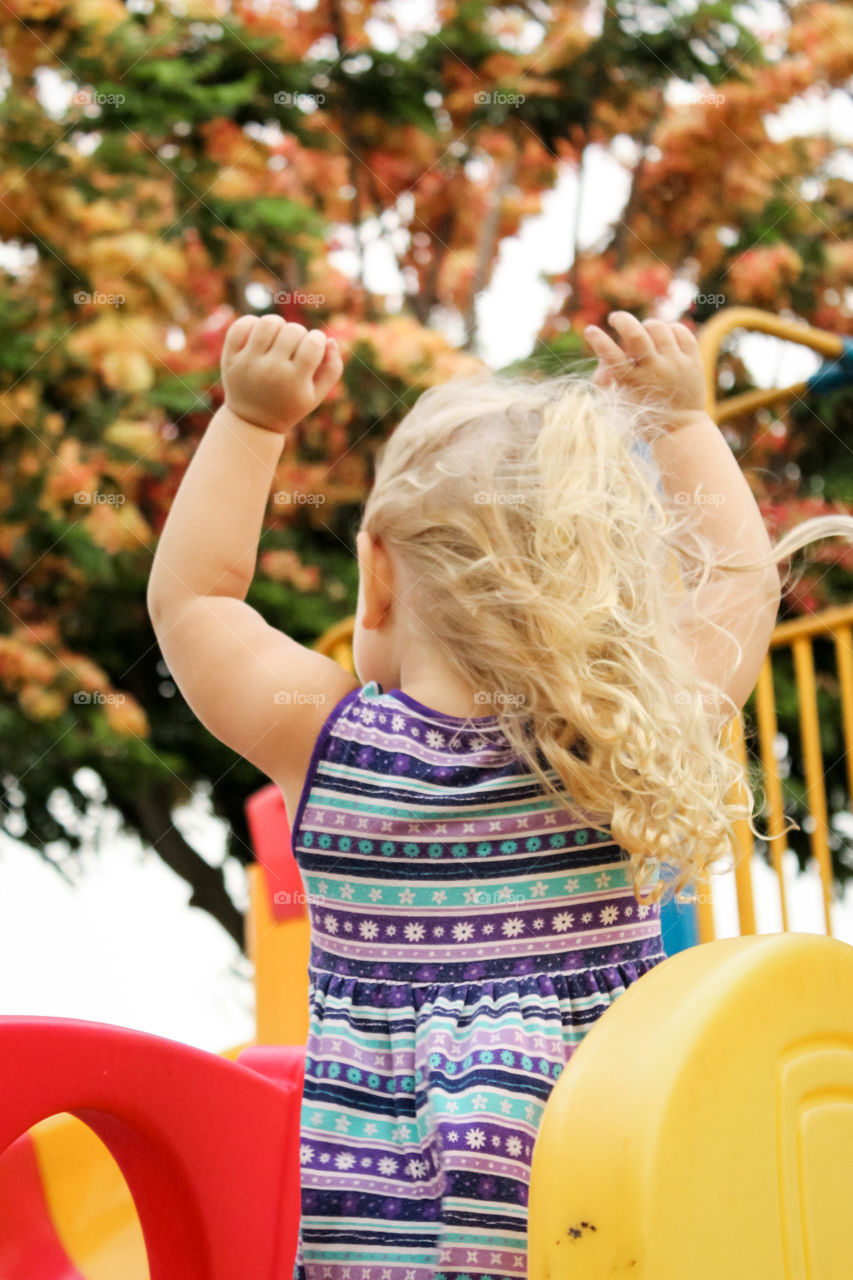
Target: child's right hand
pixel 653 356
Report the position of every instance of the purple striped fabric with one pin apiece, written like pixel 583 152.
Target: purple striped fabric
pixel 465 935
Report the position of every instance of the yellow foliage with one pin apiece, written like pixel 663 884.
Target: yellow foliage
pixel 126 717
pixel 18 406
pixel 105 15
pixel 127 371
pixel 84 674
pixel 41 704
pixel 117 526
pixel 139 437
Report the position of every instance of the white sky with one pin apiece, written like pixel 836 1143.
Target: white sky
pixel 121 945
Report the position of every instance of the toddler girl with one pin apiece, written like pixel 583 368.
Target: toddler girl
pixel 566 591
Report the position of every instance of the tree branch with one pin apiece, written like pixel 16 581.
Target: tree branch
pixel 154 812
pixel 350 141
pixel 486 248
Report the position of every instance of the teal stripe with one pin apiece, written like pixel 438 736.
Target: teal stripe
pixel 349 1254
pixel 384 1128
pixel 488 894
pixel 494 1240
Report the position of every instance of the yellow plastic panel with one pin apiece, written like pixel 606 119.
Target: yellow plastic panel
pixel 816 1089
pixel 279 952
pixel 90 1206
pixel 703 1129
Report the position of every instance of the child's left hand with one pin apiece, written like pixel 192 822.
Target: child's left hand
pixel 652 357
pixel 276 373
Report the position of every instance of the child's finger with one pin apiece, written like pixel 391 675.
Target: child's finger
pixel 685 339
pixel 604 346
pixel 330 369
pixel 662 336
pixel 264 334
pixel 309 353
pixel 635 340
pixel 288 338
pixel 237 336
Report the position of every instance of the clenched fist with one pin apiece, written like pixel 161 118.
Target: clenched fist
pixel 276 373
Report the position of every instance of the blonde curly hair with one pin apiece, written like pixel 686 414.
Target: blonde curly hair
pixel 553 570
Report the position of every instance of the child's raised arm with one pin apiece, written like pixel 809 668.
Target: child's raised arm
pixel 697 466
pixel 258 691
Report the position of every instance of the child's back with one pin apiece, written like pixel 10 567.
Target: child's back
pixel 466 933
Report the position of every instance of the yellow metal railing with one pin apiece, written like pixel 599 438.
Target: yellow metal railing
pixel 797 635
pixel 725 322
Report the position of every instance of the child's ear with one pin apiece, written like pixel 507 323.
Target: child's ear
pixel 376 579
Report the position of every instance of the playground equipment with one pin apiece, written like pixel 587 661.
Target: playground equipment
pixel 724 1139
pixel 722 1144
pixel 798 635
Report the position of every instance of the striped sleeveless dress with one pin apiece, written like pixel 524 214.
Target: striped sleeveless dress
pixel 466 933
